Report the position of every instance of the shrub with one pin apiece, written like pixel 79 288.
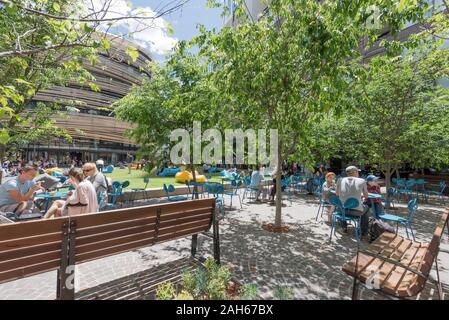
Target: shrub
pixel 248 292
pixel 165 291
pixel 283 293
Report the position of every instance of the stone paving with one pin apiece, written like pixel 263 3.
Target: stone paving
pixel 303 259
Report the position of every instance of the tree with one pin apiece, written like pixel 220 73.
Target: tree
pixel 44 43
pixel 399 115
pixel 290 67
pixel 178 94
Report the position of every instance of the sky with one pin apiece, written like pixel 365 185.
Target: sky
pixel 156 40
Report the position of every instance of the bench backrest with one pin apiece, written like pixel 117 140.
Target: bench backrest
pixel 29 248
pixel 112 232
pixel 35 247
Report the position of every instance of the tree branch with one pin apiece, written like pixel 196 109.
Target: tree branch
pixel 56 17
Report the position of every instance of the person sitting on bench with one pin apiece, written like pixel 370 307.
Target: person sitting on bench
pixel 16 195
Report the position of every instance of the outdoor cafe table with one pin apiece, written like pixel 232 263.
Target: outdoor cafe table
pixel 49 197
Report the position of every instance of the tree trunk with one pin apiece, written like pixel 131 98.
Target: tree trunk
pixel 195 189
pixel 388 173
pixel 278 218
pixel 396 169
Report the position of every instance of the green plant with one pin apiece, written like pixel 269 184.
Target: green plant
pixel 184 295
pixel 165 291
pixel 201 280
pixel 248 292
pixel 216 289
pixel 283 293
pixel 211 266
pixel 189 281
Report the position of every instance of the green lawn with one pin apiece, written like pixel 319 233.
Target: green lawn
pixel 136 179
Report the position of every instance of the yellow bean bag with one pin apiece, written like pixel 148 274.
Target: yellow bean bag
pixel 51 170
pixel 186 176
pixel 183 176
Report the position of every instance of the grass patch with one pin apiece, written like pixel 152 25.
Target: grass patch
pixel 135 179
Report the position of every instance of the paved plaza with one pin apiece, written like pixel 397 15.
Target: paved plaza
pixel 302 259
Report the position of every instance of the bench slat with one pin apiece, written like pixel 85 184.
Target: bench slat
pixel 23 262
pixel 179 234
pixel 110 217
pixel 394 281
pixel 30 270
pixel 378 265
pixel 198 217
pixel 27 229
pixel 29 250
pixel 180 227
pixel 87 231
pixel 89 256
pixel 108 243
pixel 113 234
pixel 186 213
pixel 30 241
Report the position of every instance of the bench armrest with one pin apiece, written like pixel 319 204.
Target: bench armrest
pixel 395 262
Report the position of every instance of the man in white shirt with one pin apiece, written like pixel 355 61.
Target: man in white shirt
pixel 100 164
pixel 354 187
pixel 256 182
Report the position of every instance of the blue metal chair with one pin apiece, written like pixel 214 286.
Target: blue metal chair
pixel 421 189
pixel 340 214
pixel 199 188
pixel 323 203
pixel 116 192
pixel 439 193
pixel 299 183
pixel 406 222
pixel 392 195
pixel 146 180
pixel 216 190
pixel 406 188
pixel 169 190
pixel 285 185
pixel 249 188
pixel 235 187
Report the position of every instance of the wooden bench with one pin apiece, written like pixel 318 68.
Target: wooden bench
pixel 395 266
pixel 35 247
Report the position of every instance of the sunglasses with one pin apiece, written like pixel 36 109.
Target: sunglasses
pixel 87 170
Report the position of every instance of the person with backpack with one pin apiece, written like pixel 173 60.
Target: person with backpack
pixel 99 182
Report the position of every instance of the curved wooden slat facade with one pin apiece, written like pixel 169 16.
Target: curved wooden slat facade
pixel 95 127
pixel 115 74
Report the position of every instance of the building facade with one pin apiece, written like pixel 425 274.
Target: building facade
pixel 95 131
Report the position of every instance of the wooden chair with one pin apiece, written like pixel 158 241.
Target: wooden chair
pixel 397 267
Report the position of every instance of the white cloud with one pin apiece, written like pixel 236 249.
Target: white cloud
pixel 148 33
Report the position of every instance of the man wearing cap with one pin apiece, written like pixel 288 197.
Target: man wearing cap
pixel 354 187
pixel 373 187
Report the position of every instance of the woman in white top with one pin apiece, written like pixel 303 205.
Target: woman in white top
pixel 83 199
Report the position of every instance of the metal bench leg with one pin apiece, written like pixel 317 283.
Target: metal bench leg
pixel 440 290
pixel 194 245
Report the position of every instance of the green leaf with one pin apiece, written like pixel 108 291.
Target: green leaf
pixel 105 44
pixel 3 102
pixel 4 136
pixel 133 53
pixel 94 87
pixel 56 7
